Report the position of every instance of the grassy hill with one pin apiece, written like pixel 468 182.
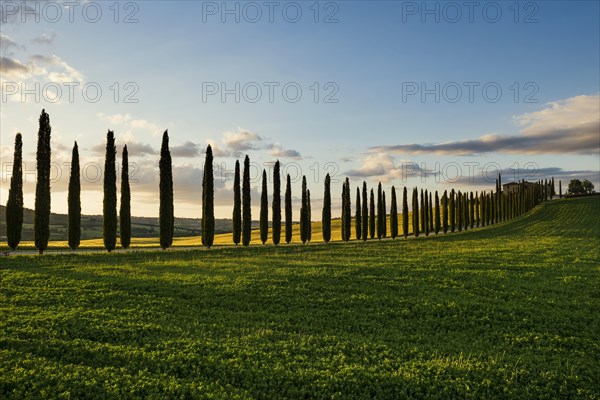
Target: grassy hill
pixel 507 312
pixel 91 226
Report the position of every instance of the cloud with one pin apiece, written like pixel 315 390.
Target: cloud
pixel 278 152
pixel 115 119
pixel 243 140
pixel 45 38
pixel 567 126
pixel 135 149
pixel 188 149
pixel 6 42
pixel 13 68
pixel 385 167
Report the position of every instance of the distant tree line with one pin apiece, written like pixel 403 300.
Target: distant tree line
pixel 431 214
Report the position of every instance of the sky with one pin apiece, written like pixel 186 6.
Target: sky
pixel 437 95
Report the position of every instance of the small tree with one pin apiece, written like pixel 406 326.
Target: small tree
pixel 588 187
pixel 394 215
pixel 326 219
pixel 276 230
pixel 246 204
pixel 237 205
pixel 125 209
pixel 14 206
pixel 166 210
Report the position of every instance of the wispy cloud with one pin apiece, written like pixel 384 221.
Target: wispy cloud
pixel 567 126
pixel 45 38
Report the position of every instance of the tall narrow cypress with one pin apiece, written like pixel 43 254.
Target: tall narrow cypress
pixel 365 212
pixel 415 212
pixel 276 229
pixel 208 201
pixel 110 194
pixel 372 215
pixel 237 205
pixel 471 210
pixel 125 208
pixel 246 204
pixel 264 210
pixel 166 210
pixel 437 224
pixel 445 211
pixel 288 210
pixel 476 206
pixel 358 222
pixel 14 206
pixel 425 206
pixel 552 189
pixel 459 216
pixel 343 216
pixel 394 215
pixel 405 212
pixel 348 211
pixel 452 207
pixel 304 213
pixel 384 215
pixel 326 218
pixel 421 214
pixel 379 212
pixel 308 216
pixel 42 188
pixel 430 209
pixel 560 189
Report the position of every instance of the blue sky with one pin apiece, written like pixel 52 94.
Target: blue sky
pixel 544 58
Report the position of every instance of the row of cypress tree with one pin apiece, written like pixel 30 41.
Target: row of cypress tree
pixel 455 211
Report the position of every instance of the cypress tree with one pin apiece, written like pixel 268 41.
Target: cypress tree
pixel 379 212
pixel 246 204
pixel 415 212
pixel 405 212
pixel 437 214
pixel 308 216
pixel 476 206
pixel 264 210
pixel 276 230
pixel 208 201
pixel 452 210
pixel 343 216
pixel 482 201
pixel 125 208
pixel 425 207
pixel 466 210
pixel 552 189
pixel 288 210
pixel 384 215
pixel 422 213
pixel 560 189
pixel 110 194
pixel 492 208
pixel 166 210
pixel 14 206
pixel 42 188
pixel 237 205
pixel 326 220
pixel 372 215
pixel 445 211
pixel 471 211
pixel 348 211
pixel 430 209
pixel 358 221
pixel 304 213
pixel 365 212
pixel 394 215
pixel 459 216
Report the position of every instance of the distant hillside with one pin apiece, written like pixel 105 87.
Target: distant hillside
pixel 91 226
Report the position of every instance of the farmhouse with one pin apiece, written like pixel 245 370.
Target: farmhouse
pixel 514 186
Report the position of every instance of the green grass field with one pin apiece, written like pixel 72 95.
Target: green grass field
pixel 511 311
